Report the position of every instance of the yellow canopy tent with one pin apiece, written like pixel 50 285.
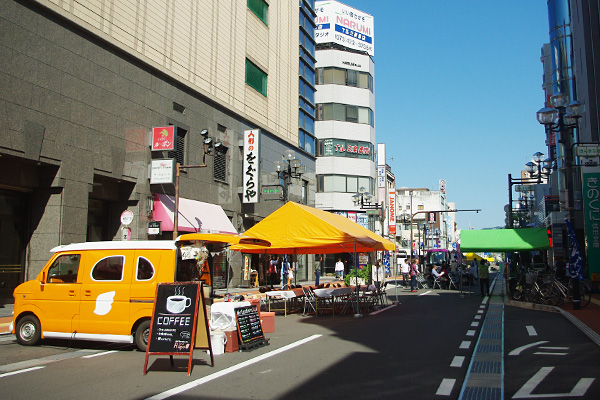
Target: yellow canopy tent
pixel 472 256
pixel 299 229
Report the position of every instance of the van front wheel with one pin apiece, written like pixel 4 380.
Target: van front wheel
pixel 142 335
pixel 28 330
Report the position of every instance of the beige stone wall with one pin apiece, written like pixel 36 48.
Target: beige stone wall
pixel 204 44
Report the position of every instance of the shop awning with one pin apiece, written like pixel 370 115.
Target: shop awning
pixel 194 216
pixel 298 229
pixel 504 240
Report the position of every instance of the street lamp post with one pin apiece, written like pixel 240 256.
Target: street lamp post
pixel 562 119
pixel 290 167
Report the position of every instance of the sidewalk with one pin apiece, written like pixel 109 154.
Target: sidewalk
pixel 5 318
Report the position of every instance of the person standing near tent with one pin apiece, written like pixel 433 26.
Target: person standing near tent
pixel 318 270
pixel 339 269
pixel 378 274
pixel 484 278
pixel 272 271
pixel 285 266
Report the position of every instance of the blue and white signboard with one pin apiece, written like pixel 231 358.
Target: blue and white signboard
pixel 344 25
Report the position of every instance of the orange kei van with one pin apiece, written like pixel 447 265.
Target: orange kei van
pixel 104 291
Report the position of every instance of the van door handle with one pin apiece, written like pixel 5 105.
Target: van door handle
pixel 71 293
pixel 87 292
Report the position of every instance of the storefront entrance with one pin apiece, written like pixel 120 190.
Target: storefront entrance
pixel 14 208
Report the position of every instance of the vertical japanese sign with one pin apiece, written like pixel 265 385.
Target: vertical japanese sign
pixel 392 212
pixel 163 138
pixel 251 176
pixel 591 207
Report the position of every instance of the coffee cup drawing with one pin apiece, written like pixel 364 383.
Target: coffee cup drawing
pixel 176 304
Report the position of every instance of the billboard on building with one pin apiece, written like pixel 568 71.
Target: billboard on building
pixel 344 25
pixel 392 212
pixel 251 175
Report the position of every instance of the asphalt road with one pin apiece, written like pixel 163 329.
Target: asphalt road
pixel 406 351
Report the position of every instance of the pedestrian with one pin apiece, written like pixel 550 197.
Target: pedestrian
pixel 377 274
pixel 413 276
pixel 473 272
pixel 290 277
pixel 405 268
pixel 484 278
pixel 272 270
pixel 318 270
pixel 339 269
pixel 285 269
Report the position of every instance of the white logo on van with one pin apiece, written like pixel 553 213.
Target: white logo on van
pixel 104 303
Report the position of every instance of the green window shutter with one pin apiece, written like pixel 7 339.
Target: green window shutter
pixel 256 78
pixel 261 9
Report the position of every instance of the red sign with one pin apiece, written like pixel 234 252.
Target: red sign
pixel 163 138
pixel 392 212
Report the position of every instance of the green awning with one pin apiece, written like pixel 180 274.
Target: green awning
pixel 504 240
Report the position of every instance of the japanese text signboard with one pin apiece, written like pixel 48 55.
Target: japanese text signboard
pixel 163 138
pixel 251 171
pixel 344 25
pixel 591 206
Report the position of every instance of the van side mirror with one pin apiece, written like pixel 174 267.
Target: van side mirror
pixel 43 278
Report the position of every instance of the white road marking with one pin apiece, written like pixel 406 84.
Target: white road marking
pixel 526 390
pixel 479 311
pixel 445 387
pixel 21 371
pixel 100 354
pixel 519 350
pixel 423 294
pixel 457 361
pixel 465 344
pixel 474 324
pixel 553 348
pixel 541 353
pixel 471 332
pixel 478 316
pixel 531 330
pixel 383 309
pixel 482 306
pixel 180 389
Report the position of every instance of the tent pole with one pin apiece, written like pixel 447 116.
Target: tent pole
pixel 357 314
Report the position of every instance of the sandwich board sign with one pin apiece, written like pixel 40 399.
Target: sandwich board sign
pixel 179 322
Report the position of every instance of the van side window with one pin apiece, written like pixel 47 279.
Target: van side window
pixel 145 270
pixel 64 269
pixel 109 269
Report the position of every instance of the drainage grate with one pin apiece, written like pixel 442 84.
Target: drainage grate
pixel 480 393
pixel 489 348
pixel 491 335
pixel 486 367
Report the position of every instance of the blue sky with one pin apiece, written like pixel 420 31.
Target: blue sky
pixel 457 86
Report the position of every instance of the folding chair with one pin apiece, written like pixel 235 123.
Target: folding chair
pixel 309 301
pixel 422 282
pixel 382 294
pixel 438 282
pixel 453 281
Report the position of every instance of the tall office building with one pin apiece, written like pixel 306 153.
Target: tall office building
pixel 345 120
pixel 84 83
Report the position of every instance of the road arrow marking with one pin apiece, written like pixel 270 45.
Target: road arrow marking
pixel 526 390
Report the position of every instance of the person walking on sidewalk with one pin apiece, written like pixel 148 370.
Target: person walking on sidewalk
pixel 413 276
pixel 339 269
pixel 484 278
pixel 405 268
pixel 285 269
pixel 377 274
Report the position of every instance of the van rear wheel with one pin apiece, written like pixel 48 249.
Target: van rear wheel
pixel 28 330
pixel 142 335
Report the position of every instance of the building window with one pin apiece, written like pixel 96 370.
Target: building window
pixel 256 78
pixel 345 112
pixel 421 207
pixel 261 9
pixel 179 153
pixel 344 183
pixel 346 77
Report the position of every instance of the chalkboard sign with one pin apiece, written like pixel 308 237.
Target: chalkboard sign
pixel 248 323
pixel 175 321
